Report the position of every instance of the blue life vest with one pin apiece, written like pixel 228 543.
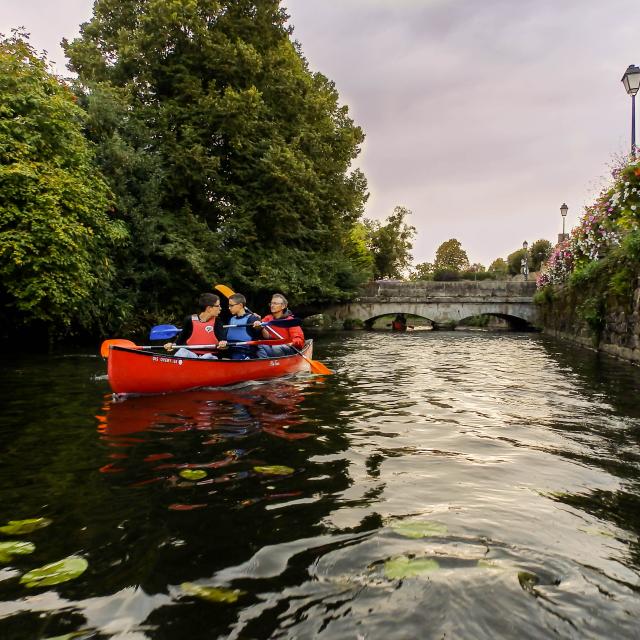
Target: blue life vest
pixel 238 332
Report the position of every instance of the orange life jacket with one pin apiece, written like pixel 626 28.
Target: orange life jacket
pixel 202 333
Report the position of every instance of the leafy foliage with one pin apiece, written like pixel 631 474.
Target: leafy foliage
pixel 391 244
pixel 539 253
pixel 422 271
pixel 229 159
pixel 56 232
pixel 450 256
pixel 613 221
pixel 499 266
pixel 514 261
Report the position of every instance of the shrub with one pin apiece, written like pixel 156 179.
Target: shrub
pixel 446 275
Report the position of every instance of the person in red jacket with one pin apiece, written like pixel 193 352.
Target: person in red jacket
pixel 291 338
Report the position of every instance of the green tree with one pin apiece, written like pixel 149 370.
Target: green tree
pixel 422 271
pixel 391 243
pixel 248 153
pixel 450 256
pixel 538 254
pixel 514 261
pixel 499 266
pixel 56 234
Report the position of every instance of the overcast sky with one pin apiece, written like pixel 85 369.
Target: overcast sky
pixel 480 116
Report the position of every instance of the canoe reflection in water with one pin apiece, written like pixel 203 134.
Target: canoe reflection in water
pixel 183 440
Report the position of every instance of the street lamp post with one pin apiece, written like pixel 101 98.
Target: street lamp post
pixel 563 212
pixel 631 81
pixel 524 263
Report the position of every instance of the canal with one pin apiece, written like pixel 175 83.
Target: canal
pixel 439 485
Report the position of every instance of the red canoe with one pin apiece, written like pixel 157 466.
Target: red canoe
pixel 135 371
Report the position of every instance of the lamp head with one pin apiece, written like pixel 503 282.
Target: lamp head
pixel 631 80
pixel 525 245
pixel 563 210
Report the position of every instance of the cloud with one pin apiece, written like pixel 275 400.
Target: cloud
pixel 482 118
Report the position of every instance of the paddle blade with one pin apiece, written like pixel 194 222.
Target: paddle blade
pixel 163 332
pixel 319 368
pixel 284 322
pixel 224 290
pixel 114 342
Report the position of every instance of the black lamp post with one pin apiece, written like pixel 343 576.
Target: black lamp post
pixel 631 81
pixel 524 263
pixel 563 212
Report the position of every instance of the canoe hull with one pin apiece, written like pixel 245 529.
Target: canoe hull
pixel 132 371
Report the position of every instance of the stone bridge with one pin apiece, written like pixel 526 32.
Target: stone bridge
pixel 445 304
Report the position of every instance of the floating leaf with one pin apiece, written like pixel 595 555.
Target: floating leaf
pixel 419 528
pixel 18 527
pixel 274 470
pixel 403 567
pixel 212 594
pixel 488 564
pixel 193 474
pixel 528 580
pixel 16 548
pixel 55 573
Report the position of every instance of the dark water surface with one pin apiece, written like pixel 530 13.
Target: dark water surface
pixel 440 485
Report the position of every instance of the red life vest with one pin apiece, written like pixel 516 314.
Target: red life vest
pixel 202 333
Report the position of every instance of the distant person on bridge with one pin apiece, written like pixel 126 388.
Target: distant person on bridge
pixel 293 335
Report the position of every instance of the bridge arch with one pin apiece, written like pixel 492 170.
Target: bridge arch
pixel 443 303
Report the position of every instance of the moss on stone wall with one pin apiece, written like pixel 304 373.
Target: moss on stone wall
pixel 599 305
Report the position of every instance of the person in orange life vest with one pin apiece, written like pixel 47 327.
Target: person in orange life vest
pixel 242 328
pixel 201 328
pixel 293 335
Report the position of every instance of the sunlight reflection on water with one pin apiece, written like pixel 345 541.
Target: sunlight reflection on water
pixel 515 459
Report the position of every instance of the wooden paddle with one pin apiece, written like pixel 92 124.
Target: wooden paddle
pixel 316 365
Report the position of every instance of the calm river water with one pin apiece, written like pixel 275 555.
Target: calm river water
pixel 440 485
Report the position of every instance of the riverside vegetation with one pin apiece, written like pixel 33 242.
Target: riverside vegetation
pixel 194 146
pixel 589 287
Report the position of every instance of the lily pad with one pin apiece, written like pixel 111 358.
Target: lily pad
pixel 212 594
pixel 55 573
pixel 15 548
pixel 419 528
pixel 193 474
pixel 403 567
pixel 487 564
pixel 274 470
pixel 528 580
pixel 18 527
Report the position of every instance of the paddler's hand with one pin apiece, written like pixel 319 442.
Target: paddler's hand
pixel 257 324
pixel 222 344
pixel 169 346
